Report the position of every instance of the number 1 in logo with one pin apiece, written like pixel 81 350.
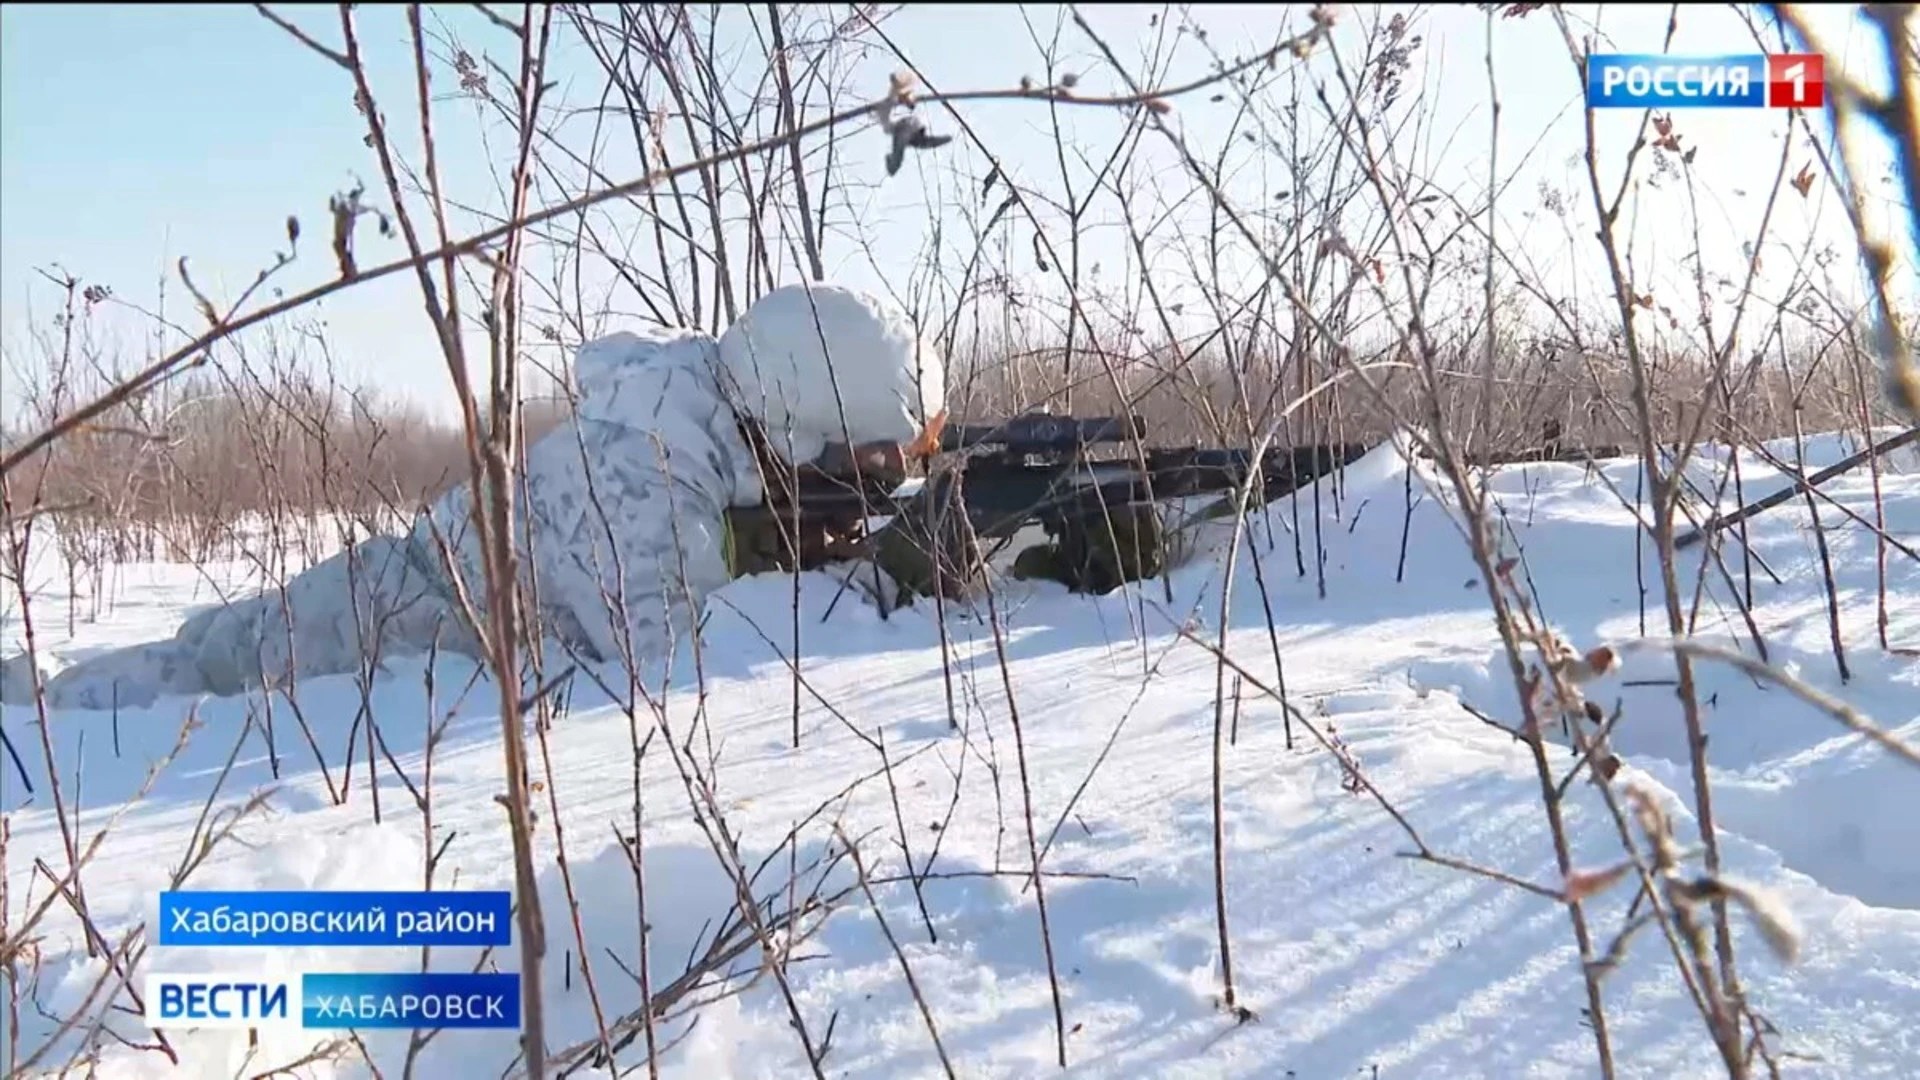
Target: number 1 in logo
pixel 1796 81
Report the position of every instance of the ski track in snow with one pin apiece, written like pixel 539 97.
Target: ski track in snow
pixel 1354 958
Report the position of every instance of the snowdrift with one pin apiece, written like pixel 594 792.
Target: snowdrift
pixel 1353 958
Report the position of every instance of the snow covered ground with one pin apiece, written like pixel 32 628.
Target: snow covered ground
pixel 1357 962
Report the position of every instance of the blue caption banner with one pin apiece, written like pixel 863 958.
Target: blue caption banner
pixel 432 999
pixel 1647 80
pixel 336 918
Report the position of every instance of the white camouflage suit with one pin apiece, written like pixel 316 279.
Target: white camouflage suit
pixel 622 531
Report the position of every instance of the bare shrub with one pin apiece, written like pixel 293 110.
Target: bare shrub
pixel 1328 303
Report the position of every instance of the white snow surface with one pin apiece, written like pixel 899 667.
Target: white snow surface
pixel 1353 958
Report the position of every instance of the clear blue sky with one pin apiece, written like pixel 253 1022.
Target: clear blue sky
pixel 133 135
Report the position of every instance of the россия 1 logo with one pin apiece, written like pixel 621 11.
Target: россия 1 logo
pixel 1745 81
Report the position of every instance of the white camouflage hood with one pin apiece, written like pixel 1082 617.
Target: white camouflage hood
pixel 826 364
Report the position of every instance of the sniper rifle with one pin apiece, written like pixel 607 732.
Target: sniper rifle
pixel 983 485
